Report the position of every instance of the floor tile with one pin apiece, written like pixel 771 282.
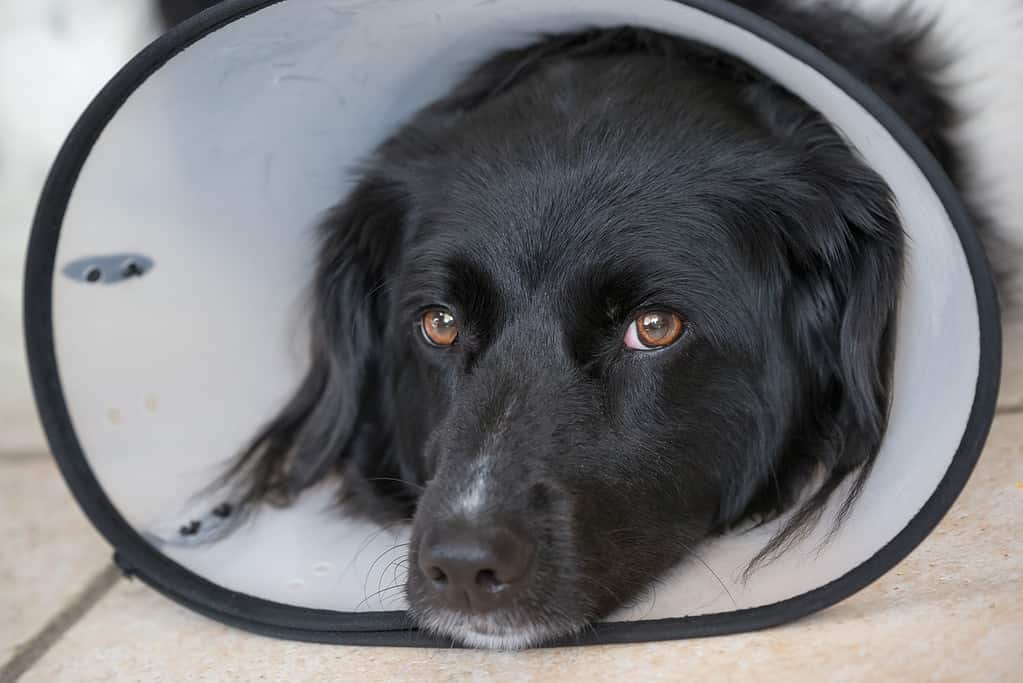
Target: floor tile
pixel 953 610
pixel 50 552
pixel 1011 395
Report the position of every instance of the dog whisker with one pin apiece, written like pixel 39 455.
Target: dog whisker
pixel 369 597
pixel 692 553
pixel 369 572
pixel 414 485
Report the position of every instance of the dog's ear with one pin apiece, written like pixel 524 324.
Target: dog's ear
pixel 359 243
pixel 845 247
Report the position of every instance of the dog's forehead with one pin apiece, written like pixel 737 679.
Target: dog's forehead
pixel 584 267
pixel 569 223
pixel 558 200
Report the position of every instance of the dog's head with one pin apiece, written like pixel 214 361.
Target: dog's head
pixel 609 297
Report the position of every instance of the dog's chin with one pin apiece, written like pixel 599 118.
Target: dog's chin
pixel 492 631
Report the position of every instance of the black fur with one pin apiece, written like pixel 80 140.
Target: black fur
pixel 558 190
pixel 173 12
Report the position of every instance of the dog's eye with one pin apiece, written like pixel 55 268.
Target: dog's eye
pixel 654 330
pixel 439 327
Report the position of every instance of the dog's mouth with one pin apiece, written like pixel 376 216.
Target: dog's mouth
pixel 499 630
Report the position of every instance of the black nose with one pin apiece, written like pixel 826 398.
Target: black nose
pixel 475 568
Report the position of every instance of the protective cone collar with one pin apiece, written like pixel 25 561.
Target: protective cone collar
pixel 173 242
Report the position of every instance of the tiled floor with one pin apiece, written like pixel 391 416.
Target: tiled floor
pixel 49 553
pixel 1011 395
pixel 952 611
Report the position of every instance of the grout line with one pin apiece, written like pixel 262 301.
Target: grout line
pixel 38 645
pixel 1011 409
pixel 18 457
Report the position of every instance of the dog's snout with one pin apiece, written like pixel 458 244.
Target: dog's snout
pixel 475 568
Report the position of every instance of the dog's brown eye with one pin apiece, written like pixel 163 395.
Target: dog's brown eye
pixel 654 330
pixel 439 327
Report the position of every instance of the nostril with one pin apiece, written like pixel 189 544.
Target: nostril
pixel 488 581
pixel 475 568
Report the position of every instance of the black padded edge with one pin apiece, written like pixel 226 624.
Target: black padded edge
pixel 141 559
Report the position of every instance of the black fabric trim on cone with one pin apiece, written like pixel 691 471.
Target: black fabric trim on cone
pixel 141 559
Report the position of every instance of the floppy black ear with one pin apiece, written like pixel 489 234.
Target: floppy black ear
pixel 310 437
pixel 845 258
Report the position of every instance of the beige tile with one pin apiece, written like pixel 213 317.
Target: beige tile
pixel 49 551
pixel 951 611
pixel 21 434
pixel 24 436
pixel 1011 394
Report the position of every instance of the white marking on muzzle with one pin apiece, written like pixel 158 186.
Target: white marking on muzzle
pixel 480 480
pixel 474 497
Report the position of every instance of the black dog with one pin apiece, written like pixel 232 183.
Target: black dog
pixel 612 295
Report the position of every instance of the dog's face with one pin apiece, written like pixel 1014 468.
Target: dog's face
pixel 577 317
pixel 588 343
